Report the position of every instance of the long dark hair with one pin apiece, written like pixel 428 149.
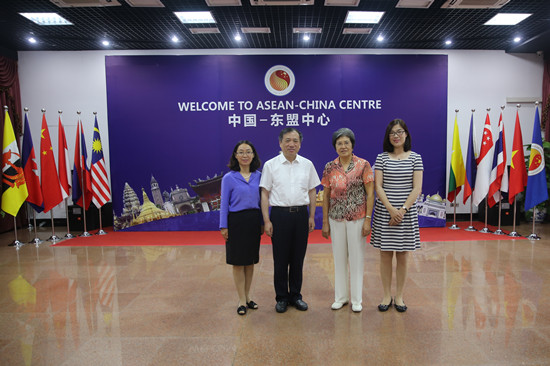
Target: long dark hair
pixel 234 163
pixel 387 143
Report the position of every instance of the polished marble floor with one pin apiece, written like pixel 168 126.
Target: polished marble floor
pixel 470 303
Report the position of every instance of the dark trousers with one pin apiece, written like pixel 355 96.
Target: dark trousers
pixel 290 233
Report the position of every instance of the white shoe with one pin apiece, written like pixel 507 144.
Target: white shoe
pixel 356 308
pixel 338 305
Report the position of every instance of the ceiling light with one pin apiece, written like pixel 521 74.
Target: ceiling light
pixel 238 37
pixel 32 40
pixel 380 38
pixel 507 19
pixel 307 30
pixel 105 42
pixel 256 30
pixel 175 39
pixel 364 17
pixel 204 30
pixel 46 18
pixel 357 31
pixel 448 42
pixel 187 17
pixel 517 39
pixel 306 37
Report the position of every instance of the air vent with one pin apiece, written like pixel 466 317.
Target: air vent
pixel 84 3
pixel 414 4
pixel 281 2
pixel 145 3
pixel 474 4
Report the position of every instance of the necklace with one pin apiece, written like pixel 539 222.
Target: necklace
pixel 246 176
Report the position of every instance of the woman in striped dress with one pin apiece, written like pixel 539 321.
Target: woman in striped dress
pixel 398 183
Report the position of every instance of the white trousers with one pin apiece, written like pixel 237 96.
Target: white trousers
pixel 348 246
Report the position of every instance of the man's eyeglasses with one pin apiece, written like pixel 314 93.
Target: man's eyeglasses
pixel 397 133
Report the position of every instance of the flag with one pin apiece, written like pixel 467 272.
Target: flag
pixel 63 160
pixel 101 193
pixel 81 173
pixel 499 171
pixel 471 167
pixel 537 189
pixel 51 190
pixel 30 168
pixel 14 187
pixel 457 171
pixel 484 161
pixel 518 174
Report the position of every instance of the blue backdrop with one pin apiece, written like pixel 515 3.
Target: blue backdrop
pixel 177 118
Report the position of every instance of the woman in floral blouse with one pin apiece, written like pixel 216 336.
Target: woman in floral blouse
pixel 347 206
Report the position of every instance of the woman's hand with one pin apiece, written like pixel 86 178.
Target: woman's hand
pixel 365 231
pixel 225 233
pixel 325 231
pixel 396 216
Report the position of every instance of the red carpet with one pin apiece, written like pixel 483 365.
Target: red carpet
pixel 121 238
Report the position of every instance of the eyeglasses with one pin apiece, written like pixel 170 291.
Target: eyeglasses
pixel 397 133
pixel 244 153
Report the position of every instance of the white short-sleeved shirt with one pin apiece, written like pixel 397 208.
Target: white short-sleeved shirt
pixel 289 182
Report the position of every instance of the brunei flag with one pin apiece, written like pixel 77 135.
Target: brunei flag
pixel 537 189
pixel 457 171
pixel 14 187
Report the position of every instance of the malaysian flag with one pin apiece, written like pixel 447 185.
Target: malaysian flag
pixel 101 194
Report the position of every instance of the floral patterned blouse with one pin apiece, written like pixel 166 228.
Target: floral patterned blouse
pixel 348 198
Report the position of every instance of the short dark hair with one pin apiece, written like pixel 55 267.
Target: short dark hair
pixel 286 130
pixel 343 132
pixel 234 163
pixel 387 143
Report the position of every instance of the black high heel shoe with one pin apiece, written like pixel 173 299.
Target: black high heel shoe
pixel 385 307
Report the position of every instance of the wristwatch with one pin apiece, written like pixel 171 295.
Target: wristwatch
pixel 405 208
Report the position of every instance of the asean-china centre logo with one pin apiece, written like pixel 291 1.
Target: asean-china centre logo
pixel 279 80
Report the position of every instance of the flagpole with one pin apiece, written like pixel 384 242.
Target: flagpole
pixel 26 109
pixel 454 226
pixel 54 237
pixel 533 235
pixel 101 231
pixel 499 231
pixel 83 169
pixel 514 233
pixel 68 235
pixel 471 227
pixel 16 243
pixel 485 229
pixel 36 241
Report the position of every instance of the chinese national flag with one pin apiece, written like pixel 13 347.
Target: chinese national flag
pixel 51 190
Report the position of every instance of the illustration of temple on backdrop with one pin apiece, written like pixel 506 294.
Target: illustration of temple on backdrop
pixel 165 204
pixel 431 211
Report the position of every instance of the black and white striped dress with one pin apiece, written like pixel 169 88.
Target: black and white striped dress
pixel 397 184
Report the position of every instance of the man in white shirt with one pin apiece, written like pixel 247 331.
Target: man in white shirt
pixel 288 185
